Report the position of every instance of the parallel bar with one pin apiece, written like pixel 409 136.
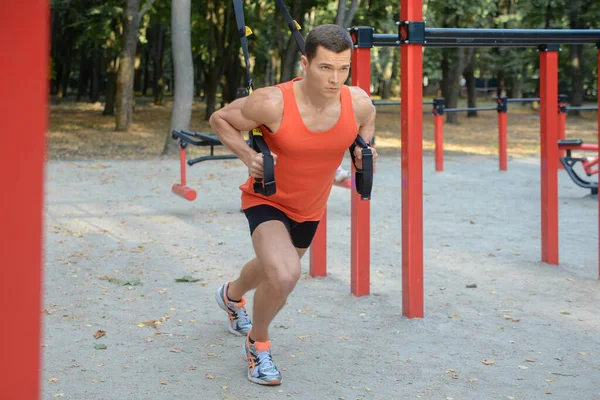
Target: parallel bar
pixel 360 255
pixel 470 109
pixel 412 167
pixel 24 74
pixel 523 100
pixel 549 154
pixel 582 108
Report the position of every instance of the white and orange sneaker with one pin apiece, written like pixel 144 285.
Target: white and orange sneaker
pixel 261 368
pixel 239 320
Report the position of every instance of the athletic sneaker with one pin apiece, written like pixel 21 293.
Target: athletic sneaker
pixel 261 368
pixel 239 321
pixel 341 175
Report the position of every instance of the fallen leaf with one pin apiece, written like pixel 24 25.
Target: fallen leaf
pixel 187 278
pixel 163 382
pixel 583 353
pixel 548 392
pixel 210 377
pixel 53 380
pixel 212 355
pixel 99 334
pixel 550 380
pixel 100 346
pixel 224 387
pixel 565 313
pixel 488 361
pixel 176 350
pixel 507 317
pixel 59 395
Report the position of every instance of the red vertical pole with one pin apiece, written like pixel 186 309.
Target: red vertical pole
pixel 318 250
pixel 438 133
pixel 360 280
pixel 412 170
pixel 549 152
pixel 24 74
pixel 502 136
pixel 562 124
pixel 598 91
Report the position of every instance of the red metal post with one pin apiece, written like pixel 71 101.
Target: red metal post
pixel 412 169
pixel 549 152
pixel 318 250
pixel 360 280
pixel 502 136
pixel 597 92
pixel 24 74
pixel 438 133
pixel 562 124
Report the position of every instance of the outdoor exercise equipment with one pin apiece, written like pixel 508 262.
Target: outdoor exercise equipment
pixel 569 162
pixel 265 186
pixel 411 37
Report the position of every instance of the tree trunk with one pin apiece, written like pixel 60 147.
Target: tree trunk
pixel 471 92
pixel 146 69
pixel 111 92
pixel 210 91
pixel 96 63
pixel 183 70
pixel 126 67
pixel 82 83
pixel 343 16
pixel 158 63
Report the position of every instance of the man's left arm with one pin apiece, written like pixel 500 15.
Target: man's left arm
pixel 365 113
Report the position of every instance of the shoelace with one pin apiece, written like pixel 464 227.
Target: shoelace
pixel 240 314
pixel 243 317
pixel 265 361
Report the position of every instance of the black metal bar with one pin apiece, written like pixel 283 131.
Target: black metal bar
pixel 394 103
pixel 583 108
pixel 523 100
pixel 471 109
pixel 211 157
pixel 540 36
pixel 471 37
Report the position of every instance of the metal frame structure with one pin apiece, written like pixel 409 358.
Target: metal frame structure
pixel 22 167
pixel 412 36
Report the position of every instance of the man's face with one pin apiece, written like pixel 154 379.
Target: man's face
pixel 328 71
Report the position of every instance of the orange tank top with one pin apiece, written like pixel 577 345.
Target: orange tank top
pixel 306 160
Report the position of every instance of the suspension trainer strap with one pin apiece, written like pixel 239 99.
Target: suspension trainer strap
pixel 364 176
pixel 292 24
pixel 256 135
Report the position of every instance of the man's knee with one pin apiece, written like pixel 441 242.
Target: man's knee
pixel 284 274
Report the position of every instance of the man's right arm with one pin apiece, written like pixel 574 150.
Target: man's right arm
pixel 244 114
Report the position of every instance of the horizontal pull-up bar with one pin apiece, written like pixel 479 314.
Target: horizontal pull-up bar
pixel 416 33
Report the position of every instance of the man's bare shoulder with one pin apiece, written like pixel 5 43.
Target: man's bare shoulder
pixel 265 104
pixel 362 104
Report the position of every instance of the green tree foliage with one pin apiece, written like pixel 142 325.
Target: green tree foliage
pixel 87 38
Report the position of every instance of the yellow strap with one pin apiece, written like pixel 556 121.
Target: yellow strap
pixel 248 31
pixel 257 132
pixel 297 25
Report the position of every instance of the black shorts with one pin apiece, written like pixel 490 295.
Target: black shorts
pixel 301 233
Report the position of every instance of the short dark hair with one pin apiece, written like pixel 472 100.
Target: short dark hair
pixel 332 37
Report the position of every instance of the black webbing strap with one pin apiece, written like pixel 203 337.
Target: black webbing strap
pixel 292 24
pixel 258 141
pixel 364 176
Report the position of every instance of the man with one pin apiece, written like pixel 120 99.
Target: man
pixel 308 124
